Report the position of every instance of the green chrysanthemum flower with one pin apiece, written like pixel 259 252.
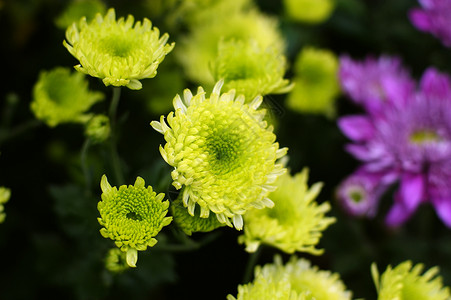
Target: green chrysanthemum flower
pixel 60 96
pixel 189 223
pixel 78 9
pixel 197 12
pixel 309 11
pixel 405 282
pixel 249 69
pixel 199 49
pixel 223 154
pixel 116 261
pixel 118 52
pixel 294 223
pixel 132 216
pixel 316 83
pixel 297 280
pixel 5 194
pixel 98 128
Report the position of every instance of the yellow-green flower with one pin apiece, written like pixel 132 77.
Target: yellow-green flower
pixel 98 128
pixel 116 261
pixel 189 223
pixel 294 223
pixel 249 69
pixel 316 84
pixel 119 52
pixel 132 216
pixel 309 11
pixel 197 12
pixel 78 9
pixel 296 280
pixel 199 48
pixel 405 282
pixel 5 194
pixel 62 96
pixel 223 153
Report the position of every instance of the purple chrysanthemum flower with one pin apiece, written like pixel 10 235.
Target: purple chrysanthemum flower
pixel 433 17
pixel 359 193
pixel 411 143
pixel 374 83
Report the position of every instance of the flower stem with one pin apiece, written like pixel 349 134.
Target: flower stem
pixel 252 261
pixel 188 244
pixel 84 166
pixel 113 105
pixel 115 160
pixel 7 134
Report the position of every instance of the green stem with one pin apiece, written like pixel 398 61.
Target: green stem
pixel 22 128
pixel 188 244
pixel 252 261
pixel 84 166
pixel 113 105
pixel 115 160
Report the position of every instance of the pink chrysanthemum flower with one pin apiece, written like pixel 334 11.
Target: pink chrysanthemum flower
pixel 409 143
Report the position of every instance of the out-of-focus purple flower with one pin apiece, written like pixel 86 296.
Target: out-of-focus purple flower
pixel 434 18
pixel 359 194
pixel 439 189
pixel 412 143
pixel 375 83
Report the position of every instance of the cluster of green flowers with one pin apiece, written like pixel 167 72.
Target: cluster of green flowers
pixel 296 280
pixel 223 154
pixel 120 52
pixel 227 164
pixel 239 45
pixel 299 280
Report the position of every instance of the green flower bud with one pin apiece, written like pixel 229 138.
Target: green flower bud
pixel 98 128
pixel 189 223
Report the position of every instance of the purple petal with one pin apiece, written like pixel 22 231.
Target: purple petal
pixel 427 3
pixel 420 19
pixel 360 152
pixel 435 84
pixel 443 209
pixel 411 190
pixel 357 128
pixel 407 199
pixel 398 90
pixel 397 215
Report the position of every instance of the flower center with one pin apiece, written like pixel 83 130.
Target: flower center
pixel 133 216
pixel 424 136
pixel 116 45
pixel 224 150
pixel 237 72
pixel 356 196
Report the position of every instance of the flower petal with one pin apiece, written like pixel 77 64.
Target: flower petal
pixel 411 190
pixel 443 209
pixel 357 128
